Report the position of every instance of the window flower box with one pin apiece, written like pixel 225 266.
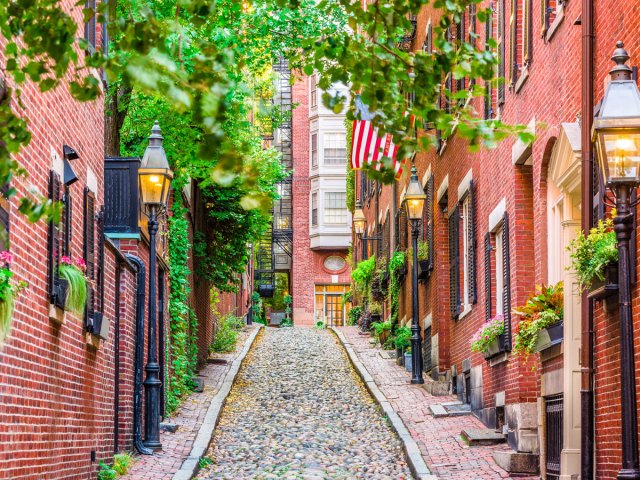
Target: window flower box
pixel 402 273
pixel 266 291
pixel 423 269
pixel 601 289
pixel 496 347
pixel 550 336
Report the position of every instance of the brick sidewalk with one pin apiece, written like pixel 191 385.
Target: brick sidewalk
pixel 189 417
pixel 439 440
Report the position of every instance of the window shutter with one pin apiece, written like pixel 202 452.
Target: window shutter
pixel 488 94
pixel 487 276
pixel 454 263
pixel 506 282
pixel 460 34
pixel 54 252
pixel 501 53
pixel 513 42
pixel 387 236
pixel 89 253
pixel 428 221
pixel 5 207
pixel 471 246
pixel 67 223
pixel 90 26
pixel 527 38
pixel 100 262
pixel 598 201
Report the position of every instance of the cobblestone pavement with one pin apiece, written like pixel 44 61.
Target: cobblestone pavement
pixel 439 440
pixel 189 416
pixel 299 411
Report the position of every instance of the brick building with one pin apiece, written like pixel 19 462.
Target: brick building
pixel 320 273
pixel 498 223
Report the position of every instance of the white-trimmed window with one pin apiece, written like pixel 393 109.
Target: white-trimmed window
pixel 499 278
pixel 335 149
pixel 313 91
pixel 314 209
pixel 466 261
pixel 335 207
pixel 314 150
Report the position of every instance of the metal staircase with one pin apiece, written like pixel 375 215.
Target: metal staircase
pixel 276 246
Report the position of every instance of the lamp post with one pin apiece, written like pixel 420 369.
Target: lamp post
pixel 414 203
pixel 154 176
pixel 616 133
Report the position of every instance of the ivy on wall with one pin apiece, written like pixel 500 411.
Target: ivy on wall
pixel 396 263
pixel 351 173
pixel 183 324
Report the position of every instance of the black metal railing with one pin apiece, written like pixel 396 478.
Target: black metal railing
pixel 554 406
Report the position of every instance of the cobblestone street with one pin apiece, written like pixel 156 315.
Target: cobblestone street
pixel 298 410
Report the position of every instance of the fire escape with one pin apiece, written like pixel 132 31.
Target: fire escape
pixel 275 247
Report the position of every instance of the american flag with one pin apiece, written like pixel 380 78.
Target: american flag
pixel 368 147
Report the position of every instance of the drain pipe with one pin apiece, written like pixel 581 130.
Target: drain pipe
pixel 139 355
pixel 116 362
pixel 587 360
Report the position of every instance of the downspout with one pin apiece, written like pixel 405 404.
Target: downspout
pixel 116 361
pixel 587 360
pixel 139 355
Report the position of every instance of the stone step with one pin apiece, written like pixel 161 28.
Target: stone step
pixel 482 436
pixel 438 411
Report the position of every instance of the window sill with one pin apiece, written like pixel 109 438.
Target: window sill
pixel 524 75
pixel 465 312
pixel 497 360
pixel 56 314
pixel 554 26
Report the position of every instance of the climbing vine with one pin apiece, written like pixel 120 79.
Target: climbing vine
pixel 351 173
pixel 395 264
pixel 182 319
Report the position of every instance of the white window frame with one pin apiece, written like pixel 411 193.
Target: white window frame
pixel 314 149
pixel 314 207
pixel 313 91
pixel 342 141
pixel 499 274
pixel 342 217
pixel 465 206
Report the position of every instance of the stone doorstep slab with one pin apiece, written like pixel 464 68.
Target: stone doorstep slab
pixel 482 436
pixel 387 354
pixel 200 445
pixel 438 411
pixel 416 463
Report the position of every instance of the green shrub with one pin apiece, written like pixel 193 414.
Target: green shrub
pixel 122 462
pixel 403 337
pixel 354 315
pixel 380 327
pixel 226 336
pixel 105 472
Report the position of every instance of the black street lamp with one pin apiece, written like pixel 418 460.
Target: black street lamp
pixel 359 225
pixel 616 133
pixel 154 176
pixel 414 202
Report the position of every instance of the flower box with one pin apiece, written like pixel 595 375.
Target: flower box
pixel 495 348
pixel 402 273
pixel 601 289
pixel 423 269
pixel 60 290
pixel 550 336
pixel 266 291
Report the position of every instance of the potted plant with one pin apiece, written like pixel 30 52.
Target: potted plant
pixel 375 309
pixel 288 300
pixel 354 315
pixel 541 324
pixel 76 298
pixel 382 331
pixel 595 258
pixel 408 364
pixel 398 265
pixel 489 339
pixel 402 342
pixel 8 292
pixel 423 260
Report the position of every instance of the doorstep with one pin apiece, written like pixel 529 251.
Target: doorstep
pixel 482 436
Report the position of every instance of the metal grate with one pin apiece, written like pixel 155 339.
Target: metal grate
pixel 554 406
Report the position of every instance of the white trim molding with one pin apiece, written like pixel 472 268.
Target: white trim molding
pixel 495 217
pixel 465 184
pixel 442 189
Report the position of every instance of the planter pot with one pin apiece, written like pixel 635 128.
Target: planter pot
pixel 399 356
pixel 60 290
pixel 402 273
pixel 384 336
pixel 423 269
pixel 601 289
pixel 548 337
pixel 266 291
pixel 408 362
pixel 495 348
pixel 384 280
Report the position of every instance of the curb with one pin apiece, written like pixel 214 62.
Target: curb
pixel 416 463
pixel 190 465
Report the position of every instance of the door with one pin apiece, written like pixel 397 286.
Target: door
pixel 334 310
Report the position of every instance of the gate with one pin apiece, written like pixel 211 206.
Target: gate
pixel 554 406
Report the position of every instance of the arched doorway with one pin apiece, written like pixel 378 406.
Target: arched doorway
pixel 560 391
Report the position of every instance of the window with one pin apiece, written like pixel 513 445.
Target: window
pixel 503 277
pixel 499 278
pixel 460 38
pixel 500 6
pixel 427 45
pixel 57 296
pixel 428 220
pixel 552 15
pixel 90 26
pixel 313 90
pixel 335 149
pixel 489 110
pixel 335 207
pixel 314 150
pixel 314 209
pixel 468 248
pixel 520 38
pixel 454 263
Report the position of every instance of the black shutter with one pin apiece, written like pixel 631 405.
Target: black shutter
pixel 89 253
pixel 90 26
pixel 387 236
pixel 67 223
pixel 459 40
pixel 598 200
pixel 100 262
pixel 54 252
pixel 501 53
pixel 5 207
pixel 487 276
pixel 427 350
pixel 428 221
pixel 488 94
pixel 471 246
pixel 454 263
pixel 506 282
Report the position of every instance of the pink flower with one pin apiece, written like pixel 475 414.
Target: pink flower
pixel 81 264
pixel 66 260
pixel 6 257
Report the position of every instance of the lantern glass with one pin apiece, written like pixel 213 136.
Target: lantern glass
pixel 414 208
pixel 154 185
pixel 359 221
pixel 619 155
